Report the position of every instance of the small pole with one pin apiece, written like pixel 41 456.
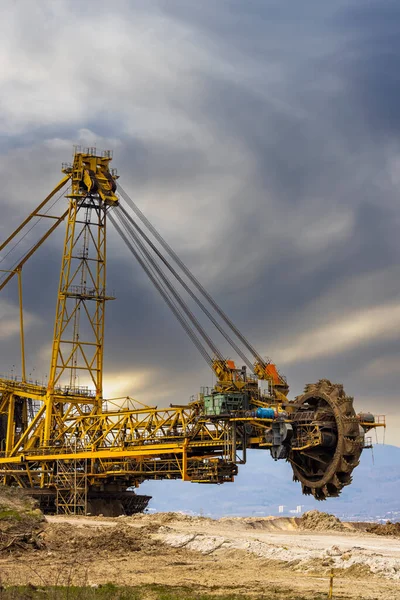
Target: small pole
pixel 21 316
pixel 21 319
pixel 330 594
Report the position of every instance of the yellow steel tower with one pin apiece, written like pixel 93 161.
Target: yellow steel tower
pixel 77 354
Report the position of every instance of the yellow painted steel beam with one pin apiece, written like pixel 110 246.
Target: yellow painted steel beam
pixel 10 424
pixel 4 400
pixel 143 451
pixel 21 323
pixel 22 393
pixel 33 250
pixel 28 431
pixel 209 443
pixel 58 187
pixel 256 440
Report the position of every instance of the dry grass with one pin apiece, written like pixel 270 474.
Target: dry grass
pixel 113 592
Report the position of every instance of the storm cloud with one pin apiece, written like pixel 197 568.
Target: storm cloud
pixel 262 140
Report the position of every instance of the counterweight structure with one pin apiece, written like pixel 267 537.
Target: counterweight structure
pixel 75 451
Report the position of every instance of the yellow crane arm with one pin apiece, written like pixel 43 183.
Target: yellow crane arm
pixel 33 250
pixel 36 212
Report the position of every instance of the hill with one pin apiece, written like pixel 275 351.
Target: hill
pixel 262 485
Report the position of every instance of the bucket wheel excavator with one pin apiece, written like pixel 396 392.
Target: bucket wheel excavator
pixel 75 451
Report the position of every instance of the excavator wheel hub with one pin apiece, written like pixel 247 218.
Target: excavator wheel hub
pixel 325 469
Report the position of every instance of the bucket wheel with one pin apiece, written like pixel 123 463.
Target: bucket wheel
pixel 324 468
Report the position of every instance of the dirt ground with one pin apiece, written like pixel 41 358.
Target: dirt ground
pixel 254 557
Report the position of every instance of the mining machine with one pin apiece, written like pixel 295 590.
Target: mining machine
pixel 76 451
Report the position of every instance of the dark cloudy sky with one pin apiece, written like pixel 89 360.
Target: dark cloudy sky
pixel 262 139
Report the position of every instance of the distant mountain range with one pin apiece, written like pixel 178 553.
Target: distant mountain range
pixel 262 485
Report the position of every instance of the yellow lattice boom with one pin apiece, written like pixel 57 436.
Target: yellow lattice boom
pixel 71 448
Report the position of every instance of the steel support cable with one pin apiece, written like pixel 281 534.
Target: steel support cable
pixel 161 288
pixel 134 236
pixel 178 314
pixel 188 273
pixel 171 288
pixel 164 293
pixel 186 287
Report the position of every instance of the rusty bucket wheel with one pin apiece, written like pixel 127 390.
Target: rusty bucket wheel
pixel 325 469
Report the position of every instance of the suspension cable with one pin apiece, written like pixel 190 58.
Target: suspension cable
pixel 190 276
pixel 163 292
pixel 161 275
pixel 187 288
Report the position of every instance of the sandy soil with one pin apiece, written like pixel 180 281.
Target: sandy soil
pixel 271 558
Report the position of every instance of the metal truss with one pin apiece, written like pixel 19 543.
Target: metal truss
pixel 64 439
